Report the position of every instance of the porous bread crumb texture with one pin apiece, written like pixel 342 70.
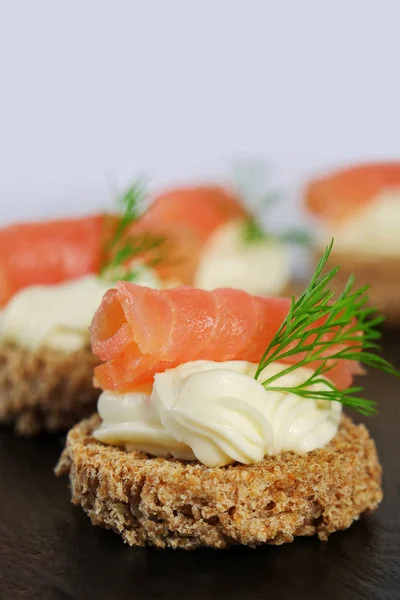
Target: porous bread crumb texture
pixel 171 503
pixel 379 272
pixel 46 389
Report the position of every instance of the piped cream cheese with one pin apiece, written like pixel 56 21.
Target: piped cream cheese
pixel 218 413
pixel 58 316
pixel 374 229
pixel 132 420
pixel 259 267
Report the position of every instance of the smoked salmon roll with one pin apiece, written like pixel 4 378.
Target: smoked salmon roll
pixel 359 207
pixel 187 217
pixel 221 414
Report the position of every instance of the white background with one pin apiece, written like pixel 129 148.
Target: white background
pixel 96 91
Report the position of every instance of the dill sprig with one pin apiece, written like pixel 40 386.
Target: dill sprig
pixel 130 207
pixel 325 331
pixel 254 231
pixel 125 245
pixel 251 181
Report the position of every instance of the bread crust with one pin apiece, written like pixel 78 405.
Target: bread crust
pixel 178 504
pixel 46 389
pixel 379 272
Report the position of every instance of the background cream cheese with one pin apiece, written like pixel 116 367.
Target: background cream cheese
pixel 375 229
pixel 58 316
pixel 259 267
pixel 219 414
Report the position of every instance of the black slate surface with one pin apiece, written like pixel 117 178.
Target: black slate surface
pixel 49 550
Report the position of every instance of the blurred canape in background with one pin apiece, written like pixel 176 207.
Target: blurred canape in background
pixel 54 274
pixel 359 206
pixel 185 218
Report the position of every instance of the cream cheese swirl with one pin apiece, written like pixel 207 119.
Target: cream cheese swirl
pixel 218 413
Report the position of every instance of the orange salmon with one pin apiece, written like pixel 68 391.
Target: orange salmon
pixel 48 252
pixel 138 332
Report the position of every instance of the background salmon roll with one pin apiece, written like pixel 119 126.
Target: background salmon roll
pixel 187 217
pixel 360 208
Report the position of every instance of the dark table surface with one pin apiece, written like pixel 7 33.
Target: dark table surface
pixel 49 549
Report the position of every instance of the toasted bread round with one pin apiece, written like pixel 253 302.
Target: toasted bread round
pixel 167 502
pixel 45 390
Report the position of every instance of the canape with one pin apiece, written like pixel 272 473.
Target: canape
pixel 360 207
pixel 53 275
pixel 220 420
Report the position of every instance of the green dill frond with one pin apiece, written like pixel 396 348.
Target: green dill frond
pixel 251 179
pixel 322 331
pixel 125 245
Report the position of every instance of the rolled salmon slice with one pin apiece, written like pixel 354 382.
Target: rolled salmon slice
pixel 175 260
pixel 199 209
pixel 187 217
pixel 342 193
pixel 49 252
pixel 139 332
